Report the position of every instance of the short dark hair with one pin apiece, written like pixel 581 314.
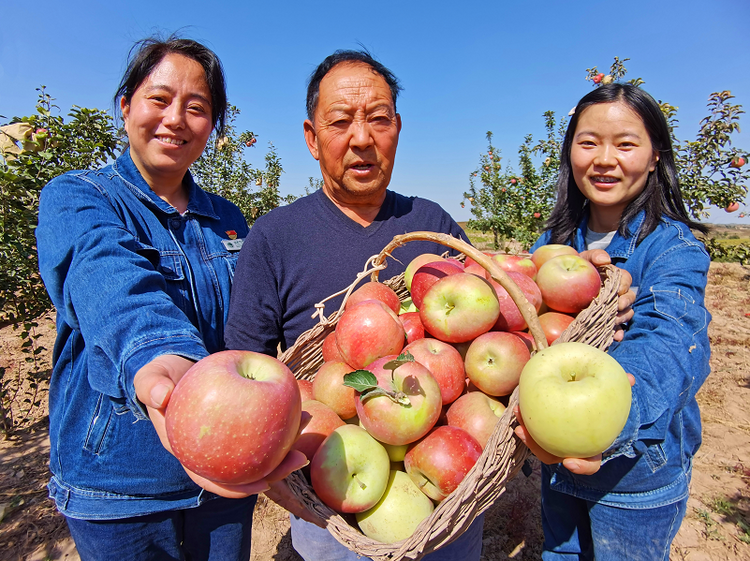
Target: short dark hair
pixel 341 56
pixel 148 53
pixel 661 195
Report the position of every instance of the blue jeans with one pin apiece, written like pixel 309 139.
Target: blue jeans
pixel 579 529
pixel 316 544
pixel 218 530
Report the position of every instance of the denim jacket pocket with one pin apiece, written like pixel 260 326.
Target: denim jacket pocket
pixel 231 261
pixel 99 426
pixel 656 457
pixel 672 303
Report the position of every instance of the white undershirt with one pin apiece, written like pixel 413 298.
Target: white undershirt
pixel 598 240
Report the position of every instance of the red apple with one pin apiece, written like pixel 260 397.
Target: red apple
pixel 328 388
pixel 234 416
pixel 527 338
pixel 553 324
pixel 375 291
pixel 733 207
pixel 598 78
pixel 568 283
pixel 440 461
pixel 429 274
pixel 368 331
pixel 415 264
pixel 510 318
pixel 305 389
pixel 477 414
pixel 444 363
pixel 330 349
pixel 494 362
pixel 737 162
pixel 515 263
pixel 323 422
pixel 459 308
pixel 546 252
pixel 412 325
pixel 413 411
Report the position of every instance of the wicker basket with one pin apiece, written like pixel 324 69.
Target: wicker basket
pixel 504 454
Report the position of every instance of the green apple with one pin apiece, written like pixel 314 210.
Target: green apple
pixel 398 513
pixel 574 399
pixel 349 472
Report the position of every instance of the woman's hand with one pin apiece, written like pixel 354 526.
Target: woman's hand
pixel 599 258
pixel 154 384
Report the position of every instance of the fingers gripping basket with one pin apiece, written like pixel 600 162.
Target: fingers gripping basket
pixel 504 454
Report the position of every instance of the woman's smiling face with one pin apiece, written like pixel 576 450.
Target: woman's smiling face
pixel 168 120
pixel 611 158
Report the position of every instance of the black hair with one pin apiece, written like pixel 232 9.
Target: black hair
pixel 148 53
pixel 661 195
pixel 341 56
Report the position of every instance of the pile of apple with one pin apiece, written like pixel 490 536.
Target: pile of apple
pixel 410 392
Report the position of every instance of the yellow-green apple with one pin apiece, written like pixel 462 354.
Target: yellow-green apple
pixel 349 472
pixel 510 318
pixel 440 461
pixel 477 414
pixel 415 264
pixel 544 253
pixel 407 306
pixel 330 349
pixel 574 399
pixel 368 331
pixel 444 363
pixel 401 404
pixel 396 453
pixel 323 422
pixel 459 308
pixel 398 513
pixel 412 325
pixel 568 283
pixel 494 362
pixel 328 387
pixel 553 324
pixel 234 416
pixel 305 390
pixel 429 274
pixel 375 291
pixel 516 263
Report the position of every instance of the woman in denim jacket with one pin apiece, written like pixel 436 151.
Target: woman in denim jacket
pixel 138 261
pixel 618 191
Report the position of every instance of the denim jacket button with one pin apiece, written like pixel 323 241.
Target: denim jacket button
pixel 175 223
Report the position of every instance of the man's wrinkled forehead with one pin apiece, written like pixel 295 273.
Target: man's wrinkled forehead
pixel 352 81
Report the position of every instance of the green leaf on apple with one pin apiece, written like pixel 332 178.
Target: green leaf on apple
pixel 361 380
pixel 403 358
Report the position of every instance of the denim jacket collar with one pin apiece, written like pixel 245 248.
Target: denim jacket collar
pixel 198 201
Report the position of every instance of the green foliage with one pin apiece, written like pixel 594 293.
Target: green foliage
pixel 34 150
pixel 727 252
pixel 513 206
pixel 222 169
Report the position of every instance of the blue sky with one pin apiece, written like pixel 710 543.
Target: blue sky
pixel 467 67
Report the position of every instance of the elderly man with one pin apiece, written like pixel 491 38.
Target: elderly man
pixel 299 254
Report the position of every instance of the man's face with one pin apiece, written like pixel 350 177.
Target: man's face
pixel 354 134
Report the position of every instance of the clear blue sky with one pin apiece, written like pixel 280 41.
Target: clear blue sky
pixel 467 67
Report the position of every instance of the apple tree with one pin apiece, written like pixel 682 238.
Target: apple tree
pixel 222 169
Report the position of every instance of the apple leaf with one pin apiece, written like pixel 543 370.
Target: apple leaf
pixel 403 358
pixel 361 380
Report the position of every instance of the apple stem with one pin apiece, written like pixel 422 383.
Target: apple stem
pixel 359 482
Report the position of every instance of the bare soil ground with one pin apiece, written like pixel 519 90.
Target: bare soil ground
pixel 716 528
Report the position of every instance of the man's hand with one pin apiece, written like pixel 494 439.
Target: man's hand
pixel 154 384
pixel 599 258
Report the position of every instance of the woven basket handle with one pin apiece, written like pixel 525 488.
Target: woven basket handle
pixel 496 272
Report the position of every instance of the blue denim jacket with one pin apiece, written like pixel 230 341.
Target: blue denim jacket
pixel 131 280
pixel 666 348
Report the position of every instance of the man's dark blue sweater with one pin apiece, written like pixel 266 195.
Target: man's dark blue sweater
pixel 297 255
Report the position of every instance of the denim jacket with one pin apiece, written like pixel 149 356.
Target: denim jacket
pixel 666 348
pixel 131 280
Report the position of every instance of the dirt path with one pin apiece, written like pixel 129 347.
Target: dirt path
pixel 716 528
